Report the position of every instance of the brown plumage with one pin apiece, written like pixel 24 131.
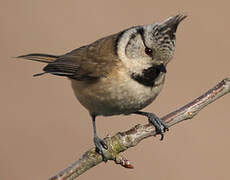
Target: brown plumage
pixel 88 62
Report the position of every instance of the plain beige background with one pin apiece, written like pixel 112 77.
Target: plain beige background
pixel 43 128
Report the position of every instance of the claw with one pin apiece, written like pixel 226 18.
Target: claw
pixel 104 144
pixel 162 137
pixel 160 125
pixel 98 150
pixel 101 146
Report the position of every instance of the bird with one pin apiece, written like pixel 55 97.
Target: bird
pixel 119 74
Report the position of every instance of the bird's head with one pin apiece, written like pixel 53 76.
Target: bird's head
pixel 141 47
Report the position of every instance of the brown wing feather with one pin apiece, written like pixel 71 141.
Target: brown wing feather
pixel 88 62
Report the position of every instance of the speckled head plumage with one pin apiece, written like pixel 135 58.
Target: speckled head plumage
pixel 141 47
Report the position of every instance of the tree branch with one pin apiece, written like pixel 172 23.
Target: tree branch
pixel 124 140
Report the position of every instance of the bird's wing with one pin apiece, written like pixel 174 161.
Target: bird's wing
pixel 86 63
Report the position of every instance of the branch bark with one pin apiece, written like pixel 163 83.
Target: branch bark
pixel 124 140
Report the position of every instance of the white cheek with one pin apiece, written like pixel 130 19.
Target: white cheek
pixel 133 65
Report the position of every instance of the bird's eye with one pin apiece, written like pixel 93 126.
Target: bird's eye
pixel 148 51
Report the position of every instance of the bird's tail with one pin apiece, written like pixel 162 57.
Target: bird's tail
pixel 46 58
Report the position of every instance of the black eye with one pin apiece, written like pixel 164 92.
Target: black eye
pixel 148 51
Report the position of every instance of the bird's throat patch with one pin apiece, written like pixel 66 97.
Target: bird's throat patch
pixel 148 76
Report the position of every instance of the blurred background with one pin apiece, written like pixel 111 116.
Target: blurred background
pixel 43 128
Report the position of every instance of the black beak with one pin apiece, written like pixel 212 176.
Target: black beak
pixel 162 68
pixel 170 25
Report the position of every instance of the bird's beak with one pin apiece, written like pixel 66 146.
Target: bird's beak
pixel 171 23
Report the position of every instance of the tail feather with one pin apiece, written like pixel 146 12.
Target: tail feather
pixel 39 74
pixel 46 58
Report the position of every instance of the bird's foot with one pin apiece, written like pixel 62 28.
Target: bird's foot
pixel 101 146
pixel 160 125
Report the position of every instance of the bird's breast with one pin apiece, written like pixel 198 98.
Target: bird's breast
pixel 116 94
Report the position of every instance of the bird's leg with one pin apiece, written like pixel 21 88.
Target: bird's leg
pixel 99 143
pixel 160 125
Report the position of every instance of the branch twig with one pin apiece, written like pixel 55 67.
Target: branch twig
pixel 124 140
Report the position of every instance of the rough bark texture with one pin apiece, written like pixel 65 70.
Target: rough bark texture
pixel 124 140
